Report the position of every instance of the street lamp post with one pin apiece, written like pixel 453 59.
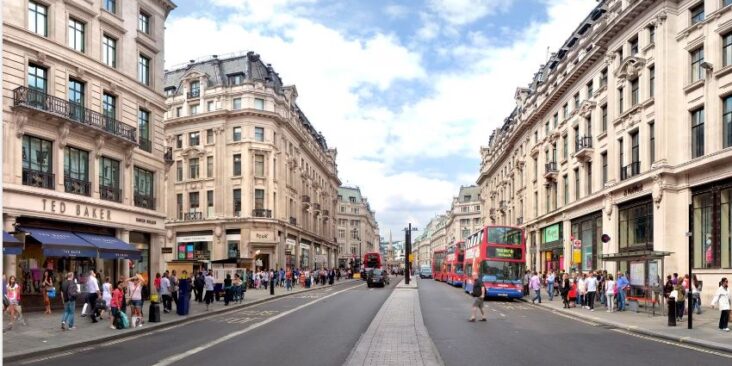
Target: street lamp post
pixel 407 250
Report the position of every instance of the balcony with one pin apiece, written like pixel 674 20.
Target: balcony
pixel 77 186
pixel 326 213
pixel 192 216
pixel 168 156
pixel 317 206
pixel 502 206
pixel 583 149
pixel 237 209
pixel 145 144
pixel 35 178
pixel 630 170
pixel 293 221
pixel 145 201
pixel 195 93
pixel 69 111
pixel 550 170
pixel 108 193
pixel 305 198
pixel 260 212
pixel 520 220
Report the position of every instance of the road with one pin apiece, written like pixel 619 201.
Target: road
pixel 314 328
pixel 519 333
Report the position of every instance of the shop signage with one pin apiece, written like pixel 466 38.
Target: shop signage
pixel 78 210
pixel 194 238
pixel 551 233
pixel 262 236
pixel 304 246
pixel 576 256
pixel 143 220
pixel 289 241
pixel 233 237
pixel 165 250
pixel 504 253
pixel 635 188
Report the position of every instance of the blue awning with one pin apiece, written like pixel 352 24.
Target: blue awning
pixel 10 239
pixel 58 243
pixel 11 244
pixel 111 247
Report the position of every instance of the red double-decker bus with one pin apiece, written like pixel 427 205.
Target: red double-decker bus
pixel 438 264
pixel 455 257
pixel 496 254
pixel 371 260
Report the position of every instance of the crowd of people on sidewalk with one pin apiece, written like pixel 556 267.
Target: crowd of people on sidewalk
pixel 583 290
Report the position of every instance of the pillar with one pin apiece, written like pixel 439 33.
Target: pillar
pixel 10 264
pixel 123 265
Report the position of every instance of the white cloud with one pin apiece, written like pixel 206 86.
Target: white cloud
pixel 459 12
pixel 395 11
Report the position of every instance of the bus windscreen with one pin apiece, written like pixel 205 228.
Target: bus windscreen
pixel 501 272
pixel 504 235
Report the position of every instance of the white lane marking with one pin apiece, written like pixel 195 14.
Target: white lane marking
pixel 502 314
pixel 673 343
pixel 178 357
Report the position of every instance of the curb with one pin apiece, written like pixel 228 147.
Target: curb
pixel 714 346
pixel 162 326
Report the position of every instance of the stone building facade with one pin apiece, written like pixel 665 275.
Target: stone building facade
pixel 250 181
pixel 356 226
pixel 464 217
pixel 83 137
pixel 626 131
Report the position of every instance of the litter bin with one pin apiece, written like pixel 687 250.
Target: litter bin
pixel 671 312
pixel 154 312
pixel 184 295
pixel 218 288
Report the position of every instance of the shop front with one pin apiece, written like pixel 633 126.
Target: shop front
pixel 586 238
pixel 193 251
pixel 141 242
pixel 290 244
pixel 304 253
pixel 552 251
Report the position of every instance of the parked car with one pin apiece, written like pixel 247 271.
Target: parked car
pixel 425 272
pixel 377 277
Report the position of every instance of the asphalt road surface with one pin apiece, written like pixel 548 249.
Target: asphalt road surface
pixel 313 328
pixel 518 333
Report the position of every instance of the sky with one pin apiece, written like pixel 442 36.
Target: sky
pixel 406 91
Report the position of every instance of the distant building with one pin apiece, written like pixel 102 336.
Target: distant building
pixel 357 229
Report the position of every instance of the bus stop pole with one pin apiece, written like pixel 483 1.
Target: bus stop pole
pixel 407 252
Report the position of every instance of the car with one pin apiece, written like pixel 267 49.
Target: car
pixel 425 272
pixel 377 277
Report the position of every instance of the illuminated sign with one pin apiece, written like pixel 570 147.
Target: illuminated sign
pixel 504 253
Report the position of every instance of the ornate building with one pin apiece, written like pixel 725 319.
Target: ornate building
pixel 357 229
pixel 250 179
pixel 464 217
pixel 83 137
pixel 626 131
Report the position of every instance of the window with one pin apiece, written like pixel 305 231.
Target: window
pixel 651 81
pixel 143 69
pixel 237 164
pixel 634 92
pixel 236 79
pixel 652 141
pixel 621 100
pixel 179 205
pixel 621 156
pixel 352 199
pixel 209 136
pixel 259 165
pixel 536 168
pixel 37 18
pixel 210 106
pixel 576 137
pixel 621 56
pixel 536 136
pixel 651 34
pixel 697 133
pixel 635 152
pixel 76 171
pixel 194 109
pixel 727 121
pixel 143 22
pixel 259 199
pixel 576 101
pixel 143 190
pixel 110 6
pixel 109 110
pixel 178 111
pixel 603 77
pixel 604 167
pixel 236 104
pixel 697 58
pixel 76 35
pixel 143 128
pixel 259 104
pixel 209 167
pixel 109 51
pixel 236 134
pixel 76 99
pixel 259 134
pixel 194 89
pixel 193 168
pixel 170 91
pixel 565 147
pixel 37 78
pixel 727 49
pixel 576 184
pixel 37 162
pixel 590 90
pixel 565 110
pixel 636 226
pixel 179 171
pixel 193 201
pixel 109 180
pixel 179 141
pixel 536 204
pixel 633 46
pixel 556 119
pixel 236 197
pixel 546 128
pixel 341 233
pixel 565 181
pixel 603 110
pixel 194 138
pixel 697 13
pixel 210 204
pixel 589 179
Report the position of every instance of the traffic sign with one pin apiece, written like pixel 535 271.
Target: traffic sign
pixel 411 258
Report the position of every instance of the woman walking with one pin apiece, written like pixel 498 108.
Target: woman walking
pixel 564 290
pixel 721 299
pixel 46 286
pixel 610 293
pixel 696 288
pixel 107 296
pixel 115 303
pixel 13 293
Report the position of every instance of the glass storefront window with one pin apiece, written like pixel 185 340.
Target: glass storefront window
pixel 636 226
pixel 704 253
pixel 725 228
pixel 233 248
pixel 304 258
pixel 586 237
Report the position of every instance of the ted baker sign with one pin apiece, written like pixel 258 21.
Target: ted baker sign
pixel 79 210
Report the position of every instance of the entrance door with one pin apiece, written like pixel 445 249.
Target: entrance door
pixel 264 264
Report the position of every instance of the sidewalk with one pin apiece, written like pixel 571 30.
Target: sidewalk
pixel 397 335
pixel 704 334
pixel 42 333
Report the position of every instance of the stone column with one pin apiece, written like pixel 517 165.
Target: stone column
pixel 10 265
pixel 123 265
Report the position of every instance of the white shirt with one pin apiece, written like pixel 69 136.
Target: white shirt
pixel 164 286
pixel 591 284
pixel 92 286
pixel 610 287
pixel 209 283
pixel 722 298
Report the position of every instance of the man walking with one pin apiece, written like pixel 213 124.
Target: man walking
pixel 525 281
pixel 92 287
pixel 68 296
pixel 208 297
pixel 550 285
pixel 535 284
pixel 198 284
pixel 622 286
pixel 174 288
pixel 479 294
pixel 591 284
pixel 165 293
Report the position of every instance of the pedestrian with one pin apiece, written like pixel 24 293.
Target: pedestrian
pixel 622 286
pixel 288 279
pixel 69 291
pixel 582 289
pixel 591 284
pixel 680 299
pixel 237 288
pixel 722 299
pixel 525 282
pixel 156 282
pixel 198 284
pixel 227 289
pixel 165 293
pixel 46 286
pixel 550 285
pixel 610 293
pixel 115 304
pixel 696 288
pixel 479 294
pixel 134 293
pixel 107 296
pixel 535 284
pixel 209 294
pixel 174 285
pixel 92 288
pixel 564 287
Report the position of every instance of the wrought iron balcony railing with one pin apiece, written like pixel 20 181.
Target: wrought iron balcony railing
pixel 108 193
pixel 550 167
pixel 77 186
pixel 293 221
pixel 38 100
pixel 192 216
pixel 168 156
pixel 144 201
pixel 145 144
pixel 630 170
pixel 195 93
pixel 260 212
pixel 583 143
pixel 305 198
pixel 35 178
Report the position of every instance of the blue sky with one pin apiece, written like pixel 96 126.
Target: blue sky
pixel 407 91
